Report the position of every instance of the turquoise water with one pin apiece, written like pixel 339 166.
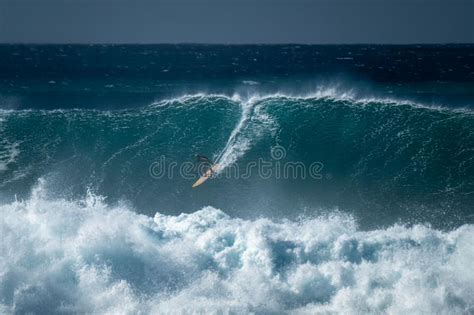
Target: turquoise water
pixel 393 159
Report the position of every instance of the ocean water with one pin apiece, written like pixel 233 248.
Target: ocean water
pixel 346 180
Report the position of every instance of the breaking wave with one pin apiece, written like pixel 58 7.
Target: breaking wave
pixel 402 160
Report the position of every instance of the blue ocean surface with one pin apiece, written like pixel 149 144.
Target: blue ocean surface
pixel 345 181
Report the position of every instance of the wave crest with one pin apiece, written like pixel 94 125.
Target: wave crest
pixel 332 92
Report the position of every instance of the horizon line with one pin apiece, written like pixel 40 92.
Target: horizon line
pixel 240 44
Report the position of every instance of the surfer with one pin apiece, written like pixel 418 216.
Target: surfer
pixel 204 159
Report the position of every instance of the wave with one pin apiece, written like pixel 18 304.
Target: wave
pixel 62 256
pixel 251 108
pixel 402 160
pixel 252 103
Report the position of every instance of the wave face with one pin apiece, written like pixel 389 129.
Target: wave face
pixel 396 159
pixel 86 257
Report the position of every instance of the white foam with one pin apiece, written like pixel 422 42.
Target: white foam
pixel 235 147
pixel 193 98
pixel 86 257
pixel 250 82
pixel 9 150
pixel 253 122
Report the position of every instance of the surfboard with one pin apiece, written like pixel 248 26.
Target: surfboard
pixel 206 176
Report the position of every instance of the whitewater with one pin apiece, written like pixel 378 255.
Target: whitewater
pixel 60 256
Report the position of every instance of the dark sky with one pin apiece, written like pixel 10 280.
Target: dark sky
pixel 237 21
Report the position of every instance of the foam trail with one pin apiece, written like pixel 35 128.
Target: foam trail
pixel 251 125
pixel 233 150
pixel 86 257
pixel 236 144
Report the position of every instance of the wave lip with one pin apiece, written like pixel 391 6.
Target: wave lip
pixel 84 256
pixel 334 92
